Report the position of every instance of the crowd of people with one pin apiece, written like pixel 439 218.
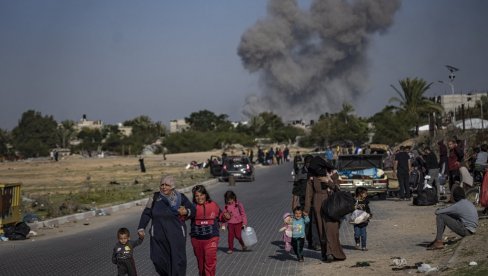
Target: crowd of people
pixel 314 186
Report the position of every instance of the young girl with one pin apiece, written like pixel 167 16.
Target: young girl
pixel 362 203
pixel 236 218
pixel 300 219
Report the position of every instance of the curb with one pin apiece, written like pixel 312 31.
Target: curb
pixel 55 222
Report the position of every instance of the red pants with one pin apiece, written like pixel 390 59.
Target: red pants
pixel 234 232
pixel 206 253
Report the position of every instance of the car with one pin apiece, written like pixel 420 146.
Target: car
pixel 363 170
pixel 215 165
pixel 240 167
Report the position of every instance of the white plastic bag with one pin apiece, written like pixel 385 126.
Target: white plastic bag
pixel 359 216
pixel 249 236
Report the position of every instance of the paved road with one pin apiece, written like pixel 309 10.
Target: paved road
pixel 89 253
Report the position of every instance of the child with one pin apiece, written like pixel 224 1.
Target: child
pixel 123 253
pixel 288 231
pixel 362 203
pixel 298 235
pixel 236 218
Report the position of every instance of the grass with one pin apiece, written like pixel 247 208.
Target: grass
pixel 76 185
pixel 480 270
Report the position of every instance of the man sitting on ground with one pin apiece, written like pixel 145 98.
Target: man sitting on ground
pixel 461 218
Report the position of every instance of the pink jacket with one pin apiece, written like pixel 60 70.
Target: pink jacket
pixel 237 213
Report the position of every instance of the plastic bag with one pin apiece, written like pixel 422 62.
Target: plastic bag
pixel 358 217
pixel 249 236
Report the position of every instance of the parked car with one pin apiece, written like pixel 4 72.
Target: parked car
pixel 215 164
pixel 240 167
pixel 363 170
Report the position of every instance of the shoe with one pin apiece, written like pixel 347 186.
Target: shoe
pixel 438 244
pixel 300 260
pixel 364 249
pixel 357 246
pixel 329 259
pixel 244 248
pixel 229 251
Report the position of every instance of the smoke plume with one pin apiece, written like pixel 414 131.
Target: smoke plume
pixel 311 61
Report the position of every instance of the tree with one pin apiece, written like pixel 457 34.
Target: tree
pixel 91 139
pixel 66 132
pixel 412 100
pixel 265 123
pixel 144 132
pixel 5 140
pixel 205 120
pixel 35 134
pixel 340 127
pixel 390 126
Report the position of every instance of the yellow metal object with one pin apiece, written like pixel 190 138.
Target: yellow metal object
pixel 10 200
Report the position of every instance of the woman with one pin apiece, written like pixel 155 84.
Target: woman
pixel 167 210
pixel 319 188
pixel 205 230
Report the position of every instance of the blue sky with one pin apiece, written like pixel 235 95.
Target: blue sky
pixel 115 60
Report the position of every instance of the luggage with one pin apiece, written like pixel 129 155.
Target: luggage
pixel 338 204
pixel 18 232
pixel 425 197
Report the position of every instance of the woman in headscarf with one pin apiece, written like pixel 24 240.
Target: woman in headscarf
pixel 167 210
pixel 320 185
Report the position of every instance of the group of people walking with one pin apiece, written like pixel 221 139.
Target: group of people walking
pixel 167 210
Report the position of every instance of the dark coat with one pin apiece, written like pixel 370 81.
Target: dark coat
pixel 168 235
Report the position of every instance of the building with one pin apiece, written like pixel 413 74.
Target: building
pixel 84 123
pixel 178 125
pixel 452 102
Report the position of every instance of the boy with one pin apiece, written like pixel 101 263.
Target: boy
pixel 123 253
pixel 300 219
pixel 362 203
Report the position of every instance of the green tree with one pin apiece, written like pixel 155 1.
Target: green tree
pixel 339 127
pixel 412 100
pixel 5 140
pixel 205 120
pixel 144 132
pixel 35 134
pixel 390 126
pixel 66 132
pixel 114 139
pixel 91 139
pixel 265 123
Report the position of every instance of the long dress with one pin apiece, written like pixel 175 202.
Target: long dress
pixel 317 193
pixel 168 234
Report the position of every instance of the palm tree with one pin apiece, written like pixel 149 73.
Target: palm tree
pixel 412 100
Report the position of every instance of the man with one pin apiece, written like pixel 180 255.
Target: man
pixel 402 168
pixel 455 157
pixel 461 218
pixel 432 169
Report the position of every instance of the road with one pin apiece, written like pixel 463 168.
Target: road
pixel 266 200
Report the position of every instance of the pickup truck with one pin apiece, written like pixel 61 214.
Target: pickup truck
pixel 363 170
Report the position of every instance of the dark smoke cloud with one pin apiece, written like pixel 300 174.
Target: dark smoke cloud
pixel 312 61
